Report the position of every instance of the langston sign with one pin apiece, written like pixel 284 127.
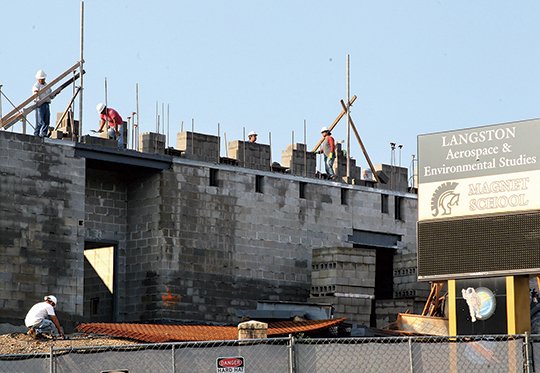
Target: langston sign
pixel 478 202
pixel 483 170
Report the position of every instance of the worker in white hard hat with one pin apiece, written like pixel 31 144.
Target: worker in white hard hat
pixel 252 136
pixel 41 319
pixel 114 123
pixel 43 100
pixel 328 148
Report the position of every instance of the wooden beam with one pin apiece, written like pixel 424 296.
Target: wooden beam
pixel 67 108
pixel 361 144
pixel 35 95
pixel 343 112
pixel 7 122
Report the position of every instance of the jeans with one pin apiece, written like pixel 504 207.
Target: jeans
pixel 46 326
pixel 329 166
pixel 120 138
pixel 43 120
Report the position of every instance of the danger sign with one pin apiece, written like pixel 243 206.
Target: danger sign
pixel 234 364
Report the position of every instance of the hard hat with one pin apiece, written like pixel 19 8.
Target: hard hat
pixel 52 298
pixel 100 107
pixel 252 133
pixel 41 74
pixel 324 129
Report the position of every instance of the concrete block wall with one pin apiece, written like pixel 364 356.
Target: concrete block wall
pixel 340 164
pixel 240 246
pixel 41 226
pixel 145 247
pixel 299 161
pixel 106 220
pixel 398 177
pixel 198 146
pixel 99 141
pixel 387 310
pixel 257 156
pixel 187 250
pixel 151 142
pixel 344 277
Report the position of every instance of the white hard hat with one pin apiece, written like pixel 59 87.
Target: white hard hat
pixel 100 107
pixel 324 129
pixel 252 133
pixel 52 298
pixel 41 74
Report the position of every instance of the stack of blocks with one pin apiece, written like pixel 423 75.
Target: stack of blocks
pixel 151 142
pixel 344 277
pixel 198 146
pixel 257 156
pixel 340 165
pixel 299 161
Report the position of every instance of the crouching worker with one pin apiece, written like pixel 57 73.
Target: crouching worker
pixel 114 123
pixel 41 319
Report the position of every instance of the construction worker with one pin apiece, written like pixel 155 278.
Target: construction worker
pixel 41 319
pixel 252 137
pixel 43 100
pixel 328 148
pixel 114 121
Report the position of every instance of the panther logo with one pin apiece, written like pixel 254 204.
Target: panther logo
pixel 444 198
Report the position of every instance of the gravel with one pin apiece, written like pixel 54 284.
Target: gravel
pixel 20 343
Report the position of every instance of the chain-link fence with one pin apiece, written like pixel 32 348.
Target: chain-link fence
pixel 501 353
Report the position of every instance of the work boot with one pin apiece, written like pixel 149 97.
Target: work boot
pixel 32 333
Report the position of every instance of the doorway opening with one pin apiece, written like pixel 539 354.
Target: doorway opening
pixel 99 282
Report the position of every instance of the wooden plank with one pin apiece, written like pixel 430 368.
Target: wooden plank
pixel 343 112
pixel 361 144
pixel 35 95
pixel 422 324
pixel 6 123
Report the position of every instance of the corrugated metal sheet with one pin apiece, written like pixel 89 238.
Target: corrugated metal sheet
pixel 156 333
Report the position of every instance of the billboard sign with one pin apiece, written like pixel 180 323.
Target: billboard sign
pixel 477 171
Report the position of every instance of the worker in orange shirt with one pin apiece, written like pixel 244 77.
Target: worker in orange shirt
pixel 328 148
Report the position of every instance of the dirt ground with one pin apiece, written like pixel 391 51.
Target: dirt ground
pixel 20 343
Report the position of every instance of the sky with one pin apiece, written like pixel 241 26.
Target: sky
pixel 416 66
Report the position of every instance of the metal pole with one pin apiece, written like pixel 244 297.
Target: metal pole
pixel 133 130
pixel 305 150
pixel 173 360
pixel 411 362
pixel 182 126
pixel 37 119
pixel 106 95
pixel 527 354
pixel 291 354
pixel 163 116
pixel 348 122
pixel 270 143
pixel 81 73
pixel 226 145
pixel 400 147
pixel 128 126
pixel 192 133
pixel 137 109
pixel 244 144
pixel 168 120
pixel 51 356
pixel 219 143
pixel 0 100
pixel 157 121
